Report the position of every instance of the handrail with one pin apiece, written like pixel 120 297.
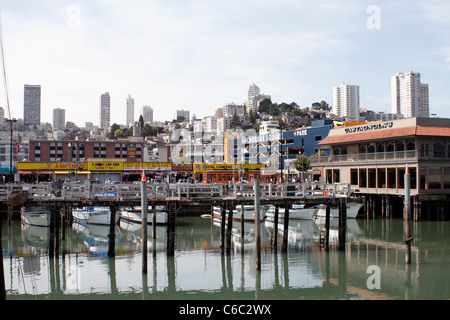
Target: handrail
pixel 132 192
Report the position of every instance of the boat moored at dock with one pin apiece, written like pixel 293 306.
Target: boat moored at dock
pixel 134 214
pixel 35 216
pixel 94 215
pixel 298 212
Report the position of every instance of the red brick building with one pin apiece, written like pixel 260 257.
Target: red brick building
pixel 65 151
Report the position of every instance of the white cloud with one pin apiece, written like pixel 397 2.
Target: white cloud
pixel 200 54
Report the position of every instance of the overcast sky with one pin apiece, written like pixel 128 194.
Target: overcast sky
pixel 202 54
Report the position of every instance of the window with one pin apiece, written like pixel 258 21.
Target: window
pixel 381 178
pixel 372 178
pixel 318 138
pixel 354 177
pixel 380 147
pixel 438 148
pixel 363 178
pixel 362 148
pixel 391 178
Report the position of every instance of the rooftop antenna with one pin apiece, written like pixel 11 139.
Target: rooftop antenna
pixel 4 67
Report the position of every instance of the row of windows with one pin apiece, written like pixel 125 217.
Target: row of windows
pixel 438 148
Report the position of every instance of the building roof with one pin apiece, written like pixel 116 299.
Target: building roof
pixel 386 134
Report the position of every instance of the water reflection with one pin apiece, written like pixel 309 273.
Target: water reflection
pixel 199 270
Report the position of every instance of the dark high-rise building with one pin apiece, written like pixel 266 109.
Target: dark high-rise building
pixel 32 105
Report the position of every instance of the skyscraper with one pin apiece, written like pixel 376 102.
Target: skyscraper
pixel 147 114
pixel 130 111
pixel 346 101
pixel 32 105
pixel 254 96
pixel 105 111
pixel 59 119
pixel 409 95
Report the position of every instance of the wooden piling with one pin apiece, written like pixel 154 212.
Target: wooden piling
pixel 51 239
pixel 57 229
pixel 229 228
pixel 284 245
pixel 144 211
pixel 242 224
pixel 342 223
pixel 222 227
pixel 2 274
pixel 406 216
pixel 153 221
pixel 170 245
pixel 275 228
pixel 112 233
pixel 327 227
pixel 257 224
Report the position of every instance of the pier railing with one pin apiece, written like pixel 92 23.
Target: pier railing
pixel 161 191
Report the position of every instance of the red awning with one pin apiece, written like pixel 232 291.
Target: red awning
pixel 34 172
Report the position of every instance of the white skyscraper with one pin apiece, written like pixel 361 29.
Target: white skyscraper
pixel 409 95
pixel 105 111
pixel 147 114
pixel 130 111
pixel 59 119
pixel 254 96
pixel 346 101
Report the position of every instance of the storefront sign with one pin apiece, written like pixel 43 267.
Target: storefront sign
pixel 51 166
pixel 128 166
pixel 105 166
pixel 370 127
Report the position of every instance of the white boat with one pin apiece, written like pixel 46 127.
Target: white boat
pixel 133 214
pixel 249 213
pixel 298 212
pixel 352 211
pixel 94 215
pixel 35 216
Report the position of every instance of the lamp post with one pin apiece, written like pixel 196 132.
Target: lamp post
pixel 70 156
pixel 76 168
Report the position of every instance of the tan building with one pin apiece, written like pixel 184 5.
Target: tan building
pixel 373 158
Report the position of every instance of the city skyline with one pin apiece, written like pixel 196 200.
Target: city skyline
pixel 202 55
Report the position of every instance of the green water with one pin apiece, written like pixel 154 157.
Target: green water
pixel 199 270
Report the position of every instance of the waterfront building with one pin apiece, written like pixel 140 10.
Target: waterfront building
pixel 374 157
pixel 346 101
pixel 105 111
pixel 130 111
pixel 32 105
pixel 59 119
pixel 409 96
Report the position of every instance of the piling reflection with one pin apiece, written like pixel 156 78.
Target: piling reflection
pixel 200 269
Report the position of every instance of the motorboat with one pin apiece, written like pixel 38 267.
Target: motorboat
pixel 94 215
pixel 352 210
pixel 249 213
pixel 134 214
pixel 35 216
pixel 298 212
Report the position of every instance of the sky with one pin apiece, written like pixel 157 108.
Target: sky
pixel 200 55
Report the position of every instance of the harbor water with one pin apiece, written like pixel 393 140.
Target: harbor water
pixel 371 268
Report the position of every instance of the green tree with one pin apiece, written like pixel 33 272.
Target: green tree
pixel 302 163
pixel 274 110
pixel 235 122
pixel 118 134
pixel 264 105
